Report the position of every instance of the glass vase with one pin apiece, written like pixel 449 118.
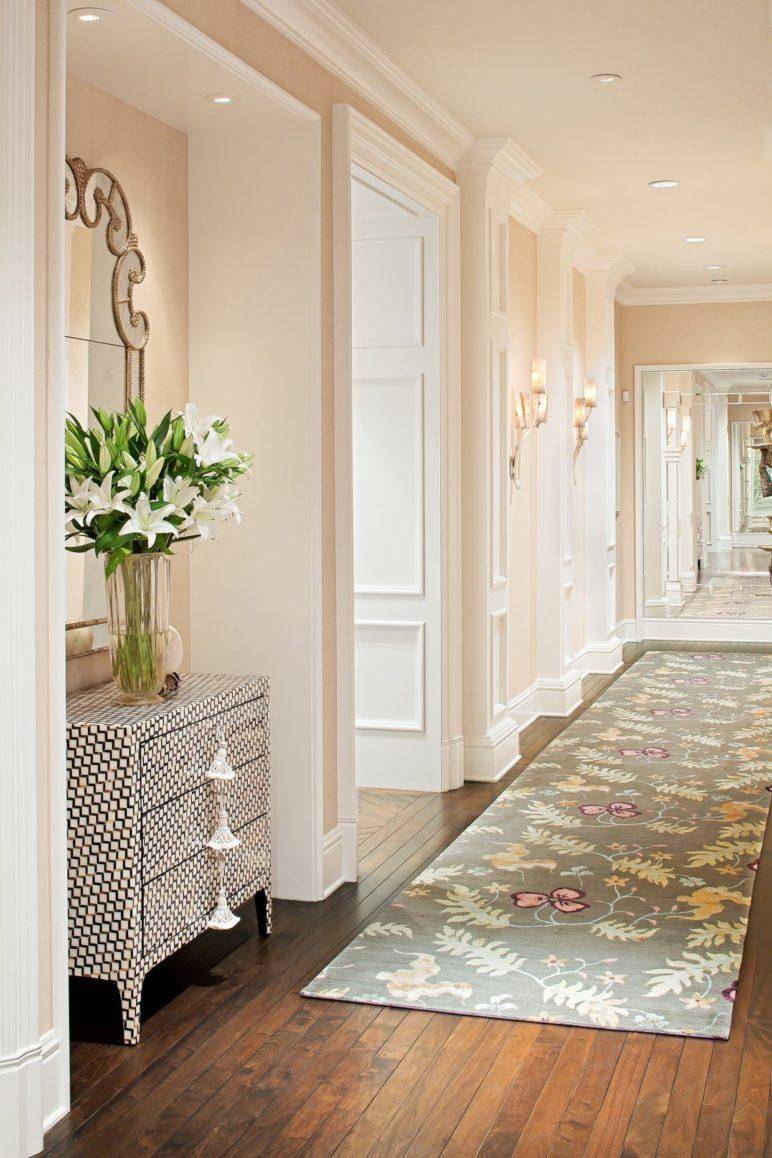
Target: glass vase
pixel 138 626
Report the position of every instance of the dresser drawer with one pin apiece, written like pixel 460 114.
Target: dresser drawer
pixel 187 894
pixel 177 760
pixel 180 827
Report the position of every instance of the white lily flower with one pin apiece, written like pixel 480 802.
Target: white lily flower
pixel 179 493
pixel 89 500
pixel 195 424
pixel 203 520
pixel 147 522
pixel 79 502
pixel 214 448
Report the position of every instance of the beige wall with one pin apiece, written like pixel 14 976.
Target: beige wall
pixel 708 333
pixel 238 29
pixel 522 507
pixel 578 496
pixel 150 160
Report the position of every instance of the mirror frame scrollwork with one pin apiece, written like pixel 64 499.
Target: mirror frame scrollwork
pixel 90 195
pixel 94 196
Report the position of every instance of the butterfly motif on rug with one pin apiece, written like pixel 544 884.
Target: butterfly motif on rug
pixel 562 899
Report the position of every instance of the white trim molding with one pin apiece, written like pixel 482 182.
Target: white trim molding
pixel 627 630
pixel 488 758
pixel 21 1052
pixel 600 659
pixel 330 37
pixel 215 52
pixel 333 858
pixel 706 630
pixel 357 141
pixel 629 295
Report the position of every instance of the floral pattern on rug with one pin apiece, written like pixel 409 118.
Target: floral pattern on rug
pixel 610 884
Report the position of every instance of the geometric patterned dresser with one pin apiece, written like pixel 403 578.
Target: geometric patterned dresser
pixel 168 824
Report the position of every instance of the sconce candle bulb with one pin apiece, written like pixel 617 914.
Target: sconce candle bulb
pixel 590 393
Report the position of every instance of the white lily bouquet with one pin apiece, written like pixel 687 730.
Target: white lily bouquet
pixel 131 497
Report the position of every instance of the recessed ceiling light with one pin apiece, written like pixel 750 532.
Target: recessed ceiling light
pixel 90 15
pixel 219 98
pixel 664 183
pixel 606 77
pixel 718 281
pixel 709 267
pixel 695 240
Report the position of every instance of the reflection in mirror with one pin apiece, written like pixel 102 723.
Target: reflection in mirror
pixel 707 491
pixel 105 339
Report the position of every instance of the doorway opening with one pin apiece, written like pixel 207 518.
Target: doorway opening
pixel 396 372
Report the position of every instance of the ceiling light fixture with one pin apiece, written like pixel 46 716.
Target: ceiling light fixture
pixel 710 267
pixel 695 240
pixel 219 98
pixel 90 15
pixel 718 281
pixel 664 183
pixel 605 77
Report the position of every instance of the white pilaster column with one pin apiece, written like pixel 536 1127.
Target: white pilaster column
pixel 21 1102
pixel 558 682
pixel 687 511
pixel 674 593
pixel 487 174
pixel 603 652
pixel 722 537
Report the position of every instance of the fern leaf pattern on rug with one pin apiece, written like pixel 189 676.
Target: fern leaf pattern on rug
pixel 610 884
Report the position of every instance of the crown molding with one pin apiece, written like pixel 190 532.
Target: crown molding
pixel 503 155
pixel 325 33
pixel 607 269
pixel 628 295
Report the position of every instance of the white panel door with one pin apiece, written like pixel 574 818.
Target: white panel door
pixel 397 525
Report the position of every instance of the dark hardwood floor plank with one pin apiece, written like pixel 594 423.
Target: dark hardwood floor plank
pixel 232 1059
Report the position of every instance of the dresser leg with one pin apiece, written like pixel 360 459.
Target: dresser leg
pixel 131 998
pixel 263 910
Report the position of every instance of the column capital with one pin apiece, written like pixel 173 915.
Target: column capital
pixel 603 274
pixel 501 155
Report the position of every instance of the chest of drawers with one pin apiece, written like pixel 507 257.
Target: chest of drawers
pixel 168 825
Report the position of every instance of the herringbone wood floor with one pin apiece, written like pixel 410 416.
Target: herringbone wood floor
pixel 233 1061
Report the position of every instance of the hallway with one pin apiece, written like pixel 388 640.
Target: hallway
pixel 736 585
pixel 232 1060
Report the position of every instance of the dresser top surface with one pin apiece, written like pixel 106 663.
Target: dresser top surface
pixel 100 705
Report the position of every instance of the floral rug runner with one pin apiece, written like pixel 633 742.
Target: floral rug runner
pixel 610 884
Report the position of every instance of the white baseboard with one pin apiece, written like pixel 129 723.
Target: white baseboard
pixel 708 630
pixel 488 758
pixel 627 630
pixel 547 698
pixel 56 1084
pixel 332 861
pixel 32 1096
pixel 600 658
pixel 453 763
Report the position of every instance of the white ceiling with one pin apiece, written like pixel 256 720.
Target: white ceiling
pixel 694 104
pixel 756 381
pixel 139 60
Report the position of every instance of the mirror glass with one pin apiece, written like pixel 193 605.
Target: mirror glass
pixel 707 493
pixel 96 366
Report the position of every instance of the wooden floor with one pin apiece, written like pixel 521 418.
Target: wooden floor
pixel 233 1061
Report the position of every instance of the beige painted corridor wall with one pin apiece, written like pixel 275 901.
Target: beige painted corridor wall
pixel 522 507
pixel 150 160
pixel 705 333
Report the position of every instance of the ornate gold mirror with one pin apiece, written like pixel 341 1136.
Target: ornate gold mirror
pixel 105 341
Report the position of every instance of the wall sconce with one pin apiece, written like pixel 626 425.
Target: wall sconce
pixel 582 408
pixel 528 414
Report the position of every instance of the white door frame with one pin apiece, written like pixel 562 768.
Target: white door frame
pixel 33 1057
pixel 358 141
pixel 691 630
